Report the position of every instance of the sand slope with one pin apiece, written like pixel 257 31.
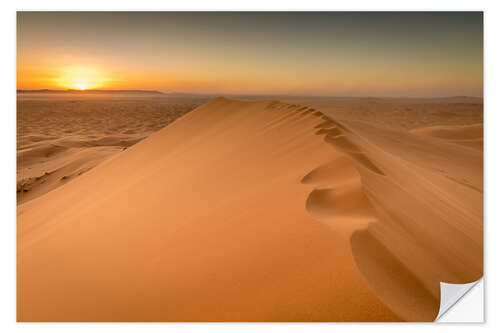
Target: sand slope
pixel 62 136
pixel 204 220
pixel 265 211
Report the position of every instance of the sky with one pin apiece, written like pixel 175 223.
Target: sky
pixel 399 54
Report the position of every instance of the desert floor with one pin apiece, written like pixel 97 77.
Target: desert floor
pixel 297 209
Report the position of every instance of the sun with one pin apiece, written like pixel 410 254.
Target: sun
pixel 80 78
pixel 81 85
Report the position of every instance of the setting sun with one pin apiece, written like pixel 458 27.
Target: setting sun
pixel 81 86
pixel 80 78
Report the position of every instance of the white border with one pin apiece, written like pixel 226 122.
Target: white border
pixel 469 308
pixel 7 154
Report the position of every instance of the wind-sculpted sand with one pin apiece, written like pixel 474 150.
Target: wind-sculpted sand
pixel 258 211
pixel 467 135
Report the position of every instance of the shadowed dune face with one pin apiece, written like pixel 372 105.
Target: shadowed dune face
pixel 392 280
pixel 338 199
pixel 256 211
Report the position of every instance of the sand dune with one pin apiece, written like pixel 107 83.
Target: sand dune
pixel 256 211
pixel 467 135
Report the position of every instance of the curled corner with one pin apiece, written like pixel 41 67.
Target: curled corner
pixel 451 294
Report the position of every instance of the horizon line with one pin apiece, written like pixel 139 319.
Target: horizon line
pixel 158 92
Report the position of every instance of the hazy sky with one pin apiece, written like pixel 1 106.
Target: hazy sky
pixel 326 53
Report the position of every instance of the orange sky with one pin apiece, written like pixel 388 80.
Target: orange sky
pixel 356 54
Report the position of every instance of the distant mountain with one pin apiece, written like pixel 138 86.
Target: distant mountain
pixel 93 91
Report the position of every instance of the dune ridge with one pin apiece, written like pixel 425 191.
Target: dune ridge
pixel 272 211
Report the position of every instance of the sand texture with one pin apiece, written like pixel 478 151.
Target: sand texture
pixel 60 137
pixel 260 211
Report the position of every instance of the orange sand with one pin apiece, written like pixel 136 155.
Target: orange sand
pixel 257 211
pixel 62 136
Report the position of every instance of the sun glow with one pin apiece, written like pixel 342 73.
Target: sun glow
pixel 82 86
pixel 80 78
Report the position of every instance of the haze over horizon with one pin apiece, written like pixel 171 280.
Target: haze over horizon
pixel 410 54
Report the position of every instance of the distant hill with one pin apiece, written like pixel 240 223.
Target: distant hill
pixel 93 91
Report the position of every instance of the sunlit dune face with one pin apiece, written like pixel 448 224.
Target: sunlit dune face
pixel 80 78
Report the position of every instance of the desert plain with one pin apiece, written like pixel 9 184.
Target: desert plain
pixel 185 208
